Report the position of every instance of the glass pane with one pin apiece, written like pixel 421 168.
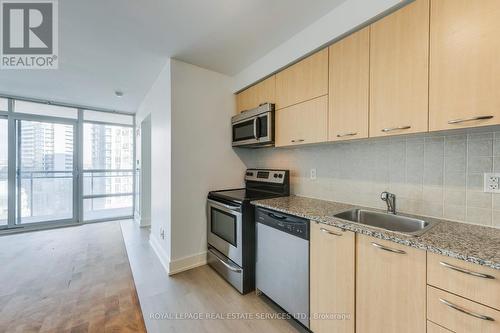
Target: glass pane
pixel 3 172
pixel 45 109
pixel 103 183
pixel 107 147
pixel 108 117
pixel 46 196
pixel 45 180
pixel 103 208
pixel 224 225
pixel 4 104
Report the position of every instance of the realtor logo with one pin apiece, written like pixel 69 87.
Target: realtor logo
pixel 29 34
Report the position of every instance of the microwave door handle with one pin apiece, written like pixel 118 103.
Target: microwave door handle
pixel 256 128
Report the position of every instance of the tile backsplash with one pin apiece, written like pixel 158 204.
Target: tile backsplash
pixel 438 175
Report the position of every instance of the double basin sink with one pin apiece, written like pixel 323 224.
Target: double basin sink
pixel 396 223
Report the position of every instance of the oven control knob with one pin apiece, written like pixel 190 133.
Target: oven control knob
pixel 275 175
pixel 280 175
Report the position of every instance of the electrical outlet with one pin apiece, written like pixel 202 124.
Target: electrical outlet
pixel 492 182
pixel 312 175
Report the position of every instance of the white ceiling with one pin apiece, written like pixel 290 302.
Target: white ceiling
pixel 108 45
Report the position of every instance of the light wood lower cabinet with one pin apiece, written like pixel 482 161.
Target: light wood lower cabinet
pixel 349 87
pixel 465 66
pixel 434 328
pixel 390 287
pixel 332 269
pixel 475 282
pixel 303 123
pixel 460 315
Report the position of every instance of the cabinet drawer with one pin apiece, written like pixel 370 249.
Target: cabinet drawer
pixel 475 282
pixel 434 328
pixel 459 314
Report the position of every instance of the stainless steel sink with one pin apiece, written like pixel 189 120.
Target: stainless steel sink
pixel 396 223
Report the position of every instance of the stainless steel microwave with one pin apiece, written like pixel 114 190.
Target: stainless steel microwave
pixel 254 128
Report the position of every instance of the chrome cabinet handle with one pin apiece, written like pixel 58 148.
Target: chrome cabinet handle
pixel 466 271
pixel 329 232
pixel 458 121
pixel 237 270
pixel 378 246
pixel 390 129
pixel 467 312
pixel 299 140
pixel 347 134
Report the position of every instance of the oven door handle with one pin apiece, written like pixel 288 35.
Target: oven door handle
pixel 228 266
pixel 237 208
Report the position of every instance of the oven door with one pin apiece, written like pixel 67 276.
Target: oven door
pixel 224 229
pixel 254 131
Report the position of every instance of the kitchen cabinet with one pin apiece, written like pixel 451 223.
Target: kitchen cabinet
pixel 349 87
pixel 472 281
pixel 460 315
pixel 399 53
pixel 303 123
pixel 465 66
pixel 332 271
pixel 262 92
pixel 390 287
pixel 434 328
pixel 303 81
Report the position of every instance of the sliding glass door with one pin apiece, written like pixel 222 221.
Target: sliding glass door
pixel 45 182
pixel 4 184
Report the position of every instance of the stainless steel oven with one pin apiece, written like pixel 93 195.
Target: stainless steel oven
pixel 255 127
pixel 225 229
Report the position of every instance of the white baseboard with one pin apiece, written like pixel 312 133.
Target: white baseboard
pixel 160 253
pixel 142 221
pixel 186 263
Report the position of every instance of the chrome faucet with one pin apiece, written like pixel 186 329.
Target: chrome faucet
pixel 390 200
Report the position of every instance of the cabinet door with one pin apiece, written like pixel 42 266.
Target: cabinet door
pixel 465 66
pixel 303 81
pixel 262 92
pixel 349 87
pixel 390 287
pixel 332 279
pixel 302 123
pixel 399 51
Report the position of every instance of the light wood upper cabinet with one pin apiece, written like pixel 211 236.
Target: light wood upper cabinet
pixel 399 52
pixel 349 87
pixel 390 287
pixel 332 278
pixel 303 81
pixel 302 123
pixel 464 63
pixel 252 97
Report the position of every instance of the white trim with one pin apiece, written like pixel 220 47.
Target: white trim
pixel 186 263
pixel 160 253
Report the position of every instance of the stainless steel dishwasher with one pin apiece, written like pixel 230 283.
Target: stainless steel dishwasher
pixel 282 270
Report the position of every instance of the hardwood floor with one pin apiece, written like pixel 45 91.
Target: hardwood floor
pixel 75 279
pixel 197 291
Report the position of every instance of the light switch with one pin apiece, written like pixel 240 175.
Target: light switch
pixel 313 174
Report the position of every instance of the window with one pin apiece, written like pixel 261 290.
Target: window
pixel 3 172
pixel 45 110
pixel 108 171
pixel 4 104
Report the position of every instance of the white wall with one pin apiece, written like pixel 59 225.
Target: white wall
pixel 341 20
pixel 202 156
pixel 157 103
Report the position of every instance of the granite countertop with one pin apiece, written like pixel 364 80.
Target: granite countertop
pixel 472 243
